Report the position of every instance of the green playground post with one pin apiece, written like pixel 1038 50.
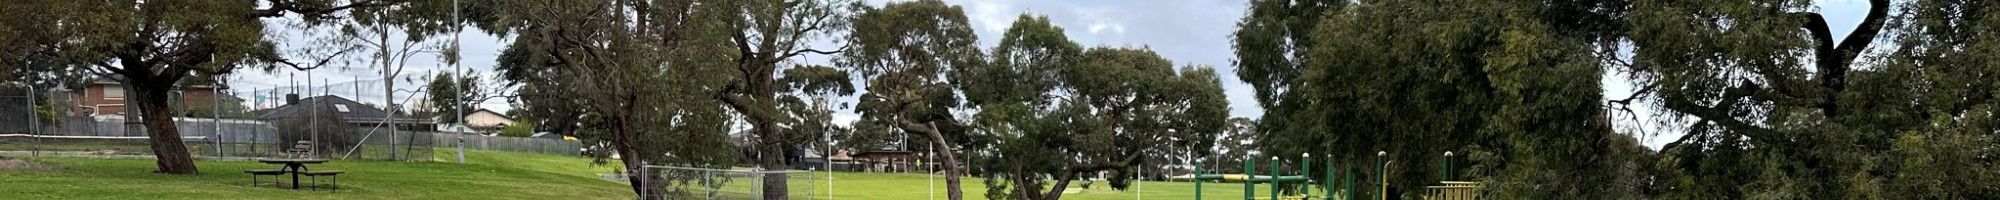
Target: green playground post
pixel 1447 166
pixel 1348 170
pixel 1305 170
pixel 1274 177
pixel 1328 179
pixel 1249 172
pixel 1382 158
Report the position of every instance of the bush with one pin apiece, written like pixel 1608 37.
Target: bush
pixel 518 130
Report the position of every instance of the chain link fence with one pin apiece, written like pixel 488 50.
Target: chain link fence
pixel 709 183
pixel 85 122
pixel 516 144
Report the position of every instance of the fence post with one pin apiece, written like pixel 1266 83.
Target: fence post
pixel 34 123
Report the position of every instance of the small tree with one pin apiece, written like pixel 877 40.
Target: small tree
pixel 518 130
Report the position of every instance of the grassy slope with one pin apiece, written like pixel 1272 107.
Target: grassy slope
pixel 565 165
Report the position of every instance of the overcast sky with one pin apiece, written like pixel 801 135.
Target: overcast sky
pixel 1190 32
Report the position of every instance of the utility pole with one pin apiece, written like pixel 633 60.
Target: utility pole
pixel 215 110
pixel 456 93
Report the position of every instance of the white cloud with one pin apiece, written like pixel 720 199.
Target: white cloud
pixel 1105 26
pixel 991 16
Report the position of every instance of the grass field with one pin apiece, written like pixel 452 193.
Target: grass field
pixel 98 178
pixel 488 175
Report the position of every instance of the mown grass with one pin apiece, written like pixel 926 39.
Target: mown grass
pixel 486 175
pixel 100 178
pixel 913 186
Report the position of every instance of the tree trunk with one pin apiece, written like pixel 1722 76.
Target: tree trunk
pixel 950 163
pixel 771 156
pixel 389 96
pixel 172 156
pixel 643 182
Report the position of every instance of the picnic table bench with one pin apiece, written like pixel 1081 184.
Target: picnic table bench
pixel 296 167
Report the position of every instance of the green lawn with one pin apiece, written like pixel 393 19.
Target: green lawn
pixel 911 186
pixel 488 175
pixel 99 178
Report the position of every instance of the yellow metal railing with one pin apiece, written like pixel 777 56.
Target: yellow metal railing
pixel 1452 190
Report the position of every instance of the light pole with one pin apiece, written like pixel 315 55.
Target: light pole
pixel 456 91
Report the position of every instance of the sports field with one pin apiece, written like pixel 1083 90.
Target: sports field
pixel 488 175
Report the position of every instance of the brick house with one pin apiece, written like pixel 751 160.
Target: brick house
pixel 105 96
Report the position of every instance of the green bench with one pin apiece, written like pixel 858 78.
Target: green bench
pixel 334 174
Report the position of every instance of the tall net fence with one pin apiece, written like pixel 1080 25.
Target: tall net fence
pixel 362 90
pixel 709 183
pixel 214 123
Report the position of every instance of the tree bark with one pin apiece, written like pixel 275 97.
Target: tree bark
pixel 171 155
pixel 643 183
pixel 388 95
pixel 950 163
pixel 771 143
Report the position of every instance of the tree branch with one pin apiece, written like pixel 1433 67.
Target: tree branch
pixel 1720 113
pixel 280 7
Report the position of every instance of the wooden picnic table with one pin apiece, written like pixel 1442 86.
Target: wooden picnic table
pixel 293 166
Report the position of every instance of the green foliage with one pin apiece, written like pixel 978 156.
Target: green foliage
pixel 905 50
pixel 647 96
pixel 1511 86
pixel 518 130
pixel 152 46
pixel 449 93
pixel 1057 111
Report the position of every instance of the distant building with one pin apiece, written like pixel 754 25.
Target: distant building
pixel 106 96
pixel 483 121
pixel 355 114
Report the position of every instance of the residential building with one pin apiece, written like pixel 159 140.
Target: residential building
pixel 482 121
pixel 354 114
pixel 106 96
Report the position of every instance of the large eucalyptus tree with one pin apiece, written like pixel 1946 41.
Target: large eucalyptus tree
pixel 152 45
pixel 904 50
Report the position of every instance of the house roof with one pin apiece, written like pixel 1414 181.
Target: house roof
pixel 348 110
pixel 502 115
pixel 874 153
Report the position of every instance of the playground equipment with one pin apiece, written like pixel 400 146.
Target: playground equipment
pixel 1301 185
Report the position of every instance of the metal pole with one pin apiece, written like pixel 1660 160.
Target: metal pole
pixel 312 123
pixel 1383 158
pixel 1249 174
pixel 34 122
pixel 930 180
pixel 1447 165
pixel 456 93
pixel 1327 183
pixel 1274 176
pixel 215 109
pixel 1305 170
pixel 1347 170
